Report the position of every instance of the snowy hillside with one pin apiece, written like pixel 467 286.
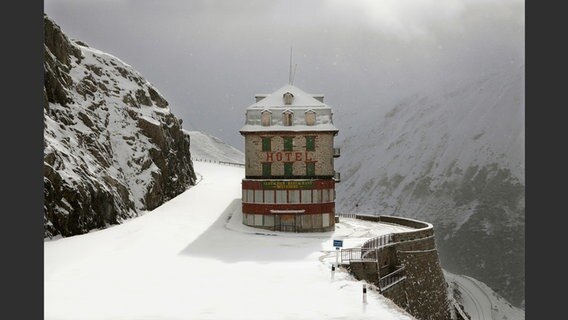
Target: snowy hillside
pixel 455 159
pixel 207 147
pixel 192 258
pixel 112 147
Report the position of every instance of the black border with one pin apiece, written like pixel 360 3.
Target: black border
pixel 22 160
pixel 546 163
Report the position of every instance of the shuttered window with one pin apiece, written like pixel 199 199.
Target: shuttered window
pixel 266 146
pixel 266 169
pixel 287 118
pixel 288 169
pixel 310 143
pixel 310 169
pixel 288 143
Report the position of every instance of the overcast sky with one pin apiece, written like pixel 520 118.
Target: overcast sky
pixel 209 58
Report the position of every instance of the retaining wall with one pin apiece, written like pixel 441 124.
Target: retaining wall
pixel 424 293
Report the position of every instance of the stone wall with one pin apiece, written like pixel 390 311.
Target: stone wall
pixel 425 285
pixel 423 293
pixel 398 295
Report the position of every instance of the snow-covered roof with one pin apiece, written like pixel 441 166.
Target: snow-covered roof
pixel 298 105
pixel 276 99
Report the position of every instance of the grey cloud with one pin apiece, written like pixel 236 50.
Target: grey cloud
pixel 210 57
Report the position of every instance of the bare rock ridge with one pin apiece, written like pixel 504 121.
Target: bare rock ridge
pixel 112 148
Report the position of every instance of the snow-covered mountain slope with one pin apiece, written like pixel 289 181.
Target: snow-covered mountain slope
pixel 192 258
pixel 479 301
pixel 112 146
pixel 454 158
pixel 207 147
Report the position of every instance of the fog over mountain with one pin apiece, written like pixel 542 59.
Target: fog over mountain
pixel 454 158
pixel 211 57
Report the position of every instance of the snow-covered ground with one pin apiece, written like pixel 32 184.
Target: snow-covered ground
pixel 191 258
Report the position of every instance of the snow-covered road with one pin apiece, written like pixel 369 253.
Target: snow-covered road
pixel 482 303
pixel 191 258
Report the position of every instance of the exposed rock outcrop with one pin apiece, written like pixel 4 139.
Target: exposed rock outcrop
pixel 112 147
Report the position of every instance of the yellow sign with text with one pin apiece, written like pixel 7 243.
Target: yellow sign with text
pixel 287 184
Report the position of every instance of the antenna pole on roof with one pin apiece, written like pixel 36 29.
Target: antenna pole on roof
pixel 290 70
pixel 294 74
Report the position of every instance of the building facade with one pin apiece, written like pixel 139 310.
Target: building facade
pixel 289 180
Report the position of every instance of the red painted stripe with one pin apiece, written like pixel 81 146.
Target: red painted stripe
pixel 314 208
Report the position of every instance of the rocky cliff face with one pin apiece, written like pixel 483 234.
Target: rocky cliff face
pixel 454 158
pixel 112 147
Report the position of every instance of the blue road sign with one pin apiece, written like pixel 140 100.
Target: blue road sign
pixel 338 243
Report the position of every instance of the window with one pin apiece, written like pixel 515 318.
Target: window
pixel 317 196
pixel 287 118
pixel 288 169
pixel 266 145
pixel 288 143
pixel 258 196
pixel 281 196
pixel 266 169
pixel 324 195
pixel 325 220
pixel 265 118
pixel 293 196
pixel 310 169
pixel 306 196
pixel 288 97
pixel 310 118
pixel 310 143
pixel 268 196
pixel 258 220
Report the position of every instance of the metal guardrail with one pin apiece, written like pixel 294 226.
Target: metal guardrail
pixel 346 215
pixel 219 162
pixel 391 279
pixel 460 311
pixel 378 242
pixel 358 254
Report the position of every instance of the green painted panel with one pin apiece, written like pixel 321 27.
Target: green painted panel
pixel 310 169
pixel 310 143
pixel 266 146
pixel 266 169
pixel 288 143
pixel 288 169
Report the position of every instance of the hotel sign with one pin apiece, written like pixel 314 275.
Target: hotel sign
pixel 288 156
pixel 287 184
